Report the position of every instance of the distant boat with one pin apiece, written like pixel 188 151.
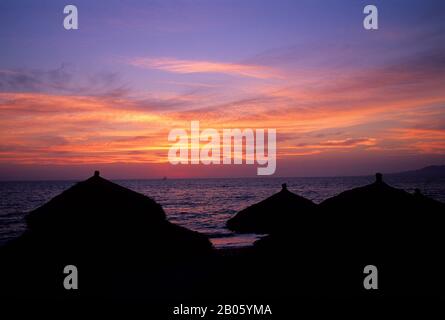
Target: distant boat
pixel 164 178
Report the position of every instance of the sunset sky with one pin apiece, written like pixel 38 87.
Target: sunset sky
pixel 344 100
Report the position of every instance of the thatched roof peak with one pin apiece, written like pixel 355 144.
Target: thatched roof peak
pixel 378 177
pixel 276 212
pixel 97 213
pixel 96 201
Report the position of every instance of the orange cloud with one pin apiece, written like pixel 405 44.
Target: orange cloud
pixel 426 141
pixel 383 111
pixel 195 66
pixel 42 128
pixel 344 143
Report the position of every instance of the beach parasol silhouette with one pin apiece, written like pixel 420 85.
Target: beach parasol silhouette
pixel 101 217
pixel 399 232
pixel 377 195
pixel 278 212
pixel 383 209
pixel 105 230
pixel 380 209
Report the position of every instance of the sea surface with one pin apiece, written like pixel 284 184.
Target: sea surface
pixel 203 205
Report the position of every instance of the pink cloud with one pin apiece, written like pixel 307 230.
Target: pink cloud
pixel 196 66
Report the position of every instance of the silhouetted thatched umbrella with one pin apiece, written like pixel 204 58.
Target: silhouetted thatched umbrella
pixel 399 232
pixel 384 220
pixel 112 234
pixel 96 203
pixel 278 212
pixel 102 218
pixel 378 198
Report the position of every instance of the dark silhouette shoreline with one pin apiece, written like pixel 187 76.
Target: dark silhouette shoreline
pixel 125 248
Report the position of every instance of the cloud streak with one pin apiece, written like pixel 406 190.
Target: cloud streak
pixel 62 80
pixel 201 66
pixel 395 107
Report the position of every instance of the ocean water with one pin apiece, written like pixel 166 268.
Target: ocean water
pixel 203 205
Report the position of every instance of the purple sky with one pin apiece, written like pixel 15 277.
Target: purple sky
pixel 344 100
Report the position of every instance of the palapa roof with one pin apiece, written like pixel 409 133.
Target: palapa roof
pixel 99 214
pixel 378 197
pixel 96 202
pixel 376 222
pixel 279 211
pixel 382 221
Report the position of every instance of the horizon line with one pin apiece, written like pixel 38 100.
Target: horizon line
pixel 225 178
